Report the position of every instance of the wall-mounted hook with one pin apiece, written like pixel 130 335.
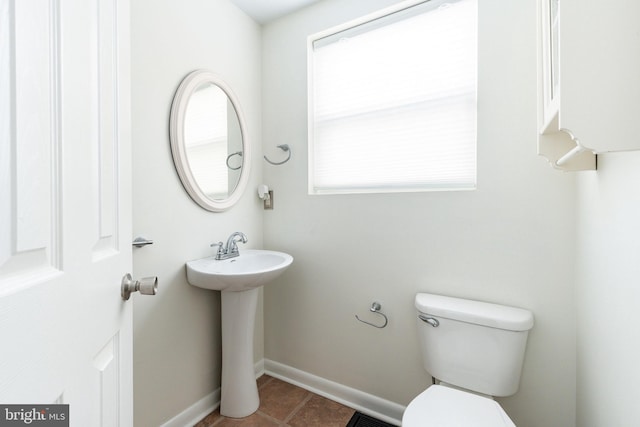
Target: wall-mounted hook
pixel 285 148
pixel 375 308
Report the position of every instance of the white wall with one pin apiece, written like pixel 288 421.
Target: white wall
pixel 511 241
pixel 608 293
pixel 177 332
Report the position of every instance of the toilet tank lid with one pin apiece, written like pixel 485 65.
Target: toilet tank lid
pixel 476 312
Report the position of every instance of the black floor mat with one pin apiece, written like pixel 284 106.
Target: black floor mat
pixel 361 420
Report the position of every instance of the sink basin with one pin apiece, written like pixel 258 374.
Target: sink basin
pixel 252 269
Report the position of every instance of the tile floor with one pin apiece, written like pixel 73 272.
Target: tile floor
pixel 284 404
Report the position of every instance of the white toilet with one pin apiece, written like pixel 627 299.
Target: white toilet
pixel 474 350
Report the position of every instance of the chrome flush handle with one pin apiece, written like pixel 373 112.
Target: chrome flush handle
pixel 430 320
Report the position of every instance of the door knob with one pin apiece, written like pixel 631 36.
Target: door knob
pixel 140 242
pixel 146 286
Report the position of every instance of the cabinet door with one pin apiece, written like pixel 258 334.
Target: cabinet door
pixel 600 73
pixel 550 65
pixel 558 144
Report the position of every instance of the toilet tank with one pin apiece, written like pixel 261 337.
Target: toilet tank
pixel 476 345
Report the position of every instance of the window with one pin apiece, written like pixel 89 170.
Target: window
pixel 392 101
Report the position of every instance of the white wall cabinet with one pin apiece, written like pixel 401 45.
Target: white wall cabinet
pixel 589 80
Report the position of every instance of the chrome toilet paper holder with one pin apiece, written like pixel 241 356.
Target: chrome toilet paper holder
pixel 375 308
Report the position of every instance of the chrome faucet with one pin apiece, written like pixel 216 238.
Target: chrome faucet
pixel 231 249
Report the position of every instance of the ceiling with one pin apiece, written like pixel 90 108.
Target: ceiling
pixel 267 10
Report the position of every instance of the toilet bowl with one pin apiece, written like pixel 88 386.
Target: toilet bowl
pixel 475 350
pixel 443 406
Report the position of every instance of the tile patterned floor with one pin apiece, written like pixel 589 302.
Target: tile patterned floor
pixel 284 404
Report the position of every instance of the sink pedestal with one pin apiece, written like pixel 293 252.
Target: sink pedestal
pixel 239 278
pixel 239 394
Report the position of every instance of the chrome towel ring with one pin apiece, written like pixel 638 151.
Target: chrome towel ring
pixel 285 148
pixel 237 153
pixel 375 308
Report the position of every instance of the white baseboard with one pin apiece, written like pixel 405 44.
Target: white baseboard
pixel 259 368
pixel 366 403
pixel 203 407
pixel 196 412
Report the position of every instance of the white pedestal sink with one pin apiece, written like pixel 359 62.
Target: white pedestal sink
pixel 239 279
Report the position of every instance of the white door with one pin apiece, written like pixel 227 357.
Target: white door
pixel 65 209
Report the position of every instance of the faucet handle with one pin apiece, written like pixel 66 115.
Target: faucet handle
pixel 232 247
pixel 220 251
pixel 232 242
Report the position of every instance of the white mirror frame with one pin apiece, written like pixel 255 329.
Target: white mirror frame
pixel 176 135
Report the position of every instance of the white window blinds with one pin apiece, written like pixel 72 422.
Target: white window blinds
pixel 392 102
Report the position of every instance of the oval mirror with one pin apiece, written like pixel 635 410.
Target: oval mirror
pixel 209 141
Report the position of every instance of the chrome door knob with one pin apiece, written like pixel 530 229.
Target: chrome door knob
pixel 146 286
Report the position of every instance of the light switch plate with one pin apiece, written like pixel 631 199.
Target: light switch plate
pixel 268 203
